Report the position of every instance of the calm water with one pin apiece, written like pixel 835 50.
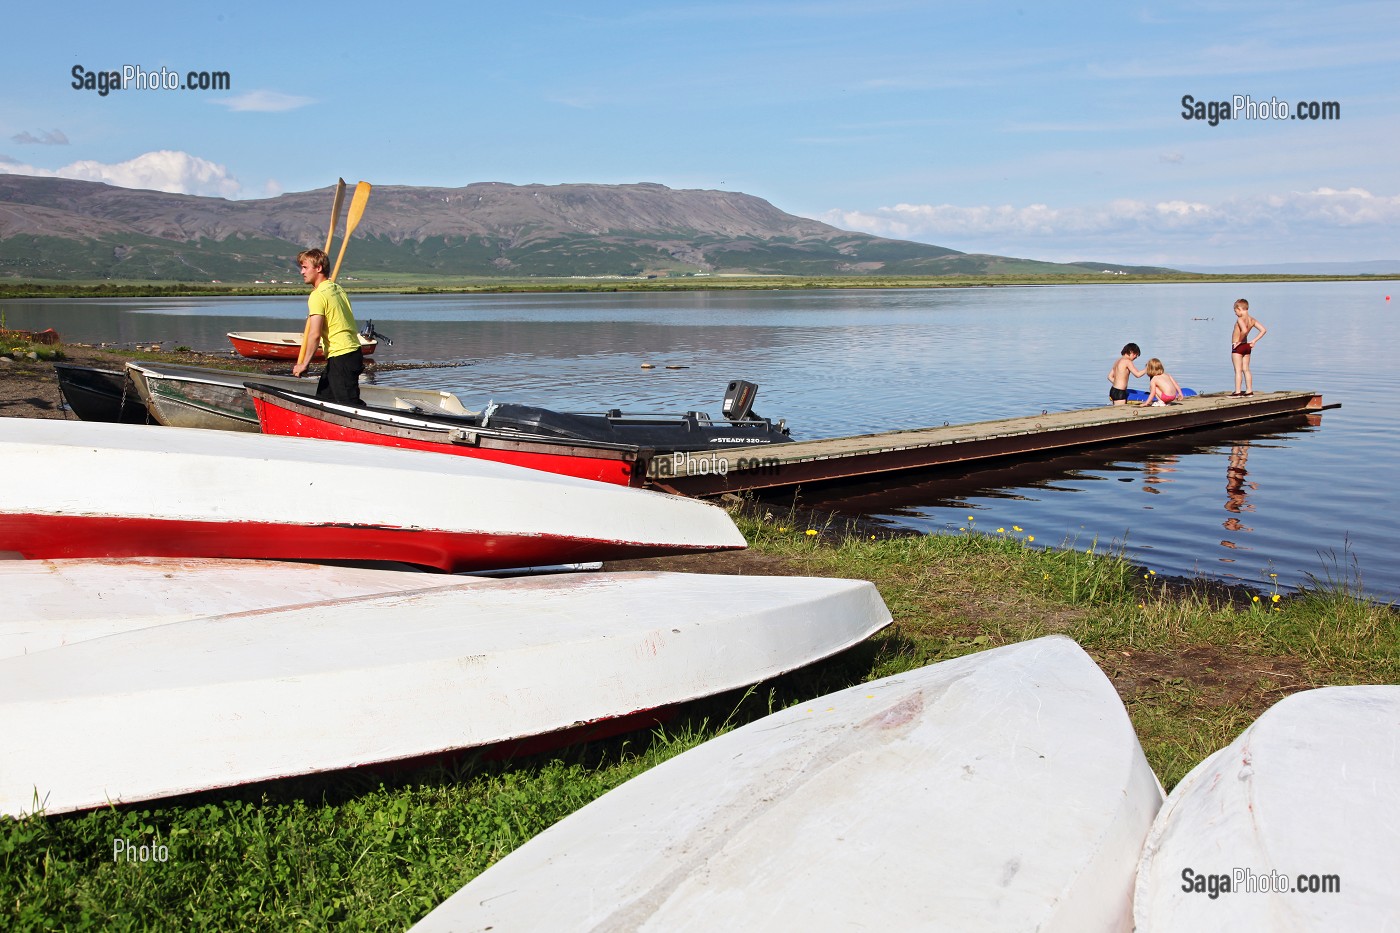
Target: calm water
pixel 1292 497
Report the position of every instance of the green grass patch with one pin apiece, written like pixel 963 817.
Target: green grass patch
pixel 22 348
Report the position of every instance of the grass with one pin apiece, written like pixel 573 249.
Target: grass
pixel 20 348
pixel 1194 665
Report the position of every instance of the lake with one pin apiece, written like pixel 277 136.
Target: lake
pixel 1299 498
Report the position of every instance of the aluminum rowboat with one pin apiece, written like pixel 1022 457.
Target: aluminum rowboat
pixel 199 397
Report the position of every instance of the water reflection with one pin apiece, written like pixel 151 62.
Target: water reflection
pixel 1155 471
pixel 1237 490
pixel 1235 484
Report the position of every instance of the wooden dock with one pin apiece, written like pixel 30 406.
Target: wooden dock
pixel 804 463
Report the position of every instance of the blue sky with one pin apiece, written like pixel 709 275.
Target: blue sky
pixel 1040 130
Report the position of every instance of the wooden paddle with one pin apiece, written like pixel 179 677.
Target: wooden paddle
pixel 357 210
pixel 335 213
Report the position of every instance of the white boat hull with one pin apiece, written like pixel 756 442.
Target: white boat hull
pixel 1001 791
pixel 51 603
pixel 1307 799
pixel 82 489
pixel 222 701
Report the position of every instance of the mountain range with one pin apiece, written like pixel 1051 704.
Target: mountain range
pixel 55 228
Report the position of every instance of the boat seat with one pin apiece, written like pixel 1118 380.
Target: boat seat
pixel 447 405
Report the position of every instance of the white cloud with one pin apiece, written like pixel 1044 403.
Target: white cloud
pixel 51 138
pixel 263 102
pixel 1317 224
pixel 176 172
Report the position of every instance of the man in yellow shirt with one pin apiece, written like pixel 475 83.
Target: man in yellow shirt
pixel 330 325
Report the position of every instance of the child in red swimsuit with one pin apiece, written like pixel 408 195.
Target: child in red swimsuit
pixel 1241 347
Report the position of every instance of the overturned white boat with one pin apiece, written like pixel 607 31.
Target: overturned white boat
pixel 51 603
pixel 227 700
pixel 1001 791
pixel 1292 826
pixel 84 489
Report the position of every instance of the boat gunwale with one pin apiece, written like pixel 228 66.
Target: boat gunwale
pixel 388 423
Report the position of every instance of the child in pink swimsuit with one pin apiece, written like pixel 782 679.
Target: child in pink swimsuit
pixel 1164 389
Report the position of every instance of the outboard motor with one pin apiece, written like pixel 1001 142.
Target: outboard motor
pixel 738 400
pixel 373 334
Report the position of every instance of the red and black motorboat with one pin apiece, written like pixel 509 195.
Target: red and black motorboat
pixel 610 446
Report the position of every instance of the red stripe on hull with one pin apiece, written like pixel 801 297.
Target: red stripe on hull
pixel 280 421
pixel 39 537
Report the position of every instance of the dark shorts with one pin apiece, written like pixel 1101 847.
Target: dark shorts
pixel 1116 394
pixel 1243 348
pixel 341 380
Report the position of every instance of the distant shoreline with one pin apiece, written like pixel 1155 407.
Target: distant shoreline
pixel 424 285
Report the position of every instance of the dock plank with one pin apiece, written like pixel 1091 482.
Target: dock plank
pixel 839 458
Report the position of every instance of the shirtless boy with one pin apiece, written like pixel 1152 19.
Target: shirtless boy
pixel 1241 347
pixel 1118 375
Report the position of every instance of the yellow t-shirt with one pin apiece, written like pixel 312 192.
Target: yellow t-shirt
pixel 338 337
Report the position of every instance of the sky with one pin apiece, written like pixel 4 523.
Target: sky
pixel 1045 131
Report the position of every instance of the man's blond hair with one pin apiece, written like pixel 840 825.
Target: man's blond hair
pixel 317 256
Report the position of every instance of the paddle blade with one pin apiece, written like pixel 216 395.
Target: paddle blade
pixel 357 210
pixel 335 213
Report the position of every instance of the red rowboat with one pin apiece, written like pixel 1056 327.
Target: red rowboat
pixel 283 345
pixel 291 415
